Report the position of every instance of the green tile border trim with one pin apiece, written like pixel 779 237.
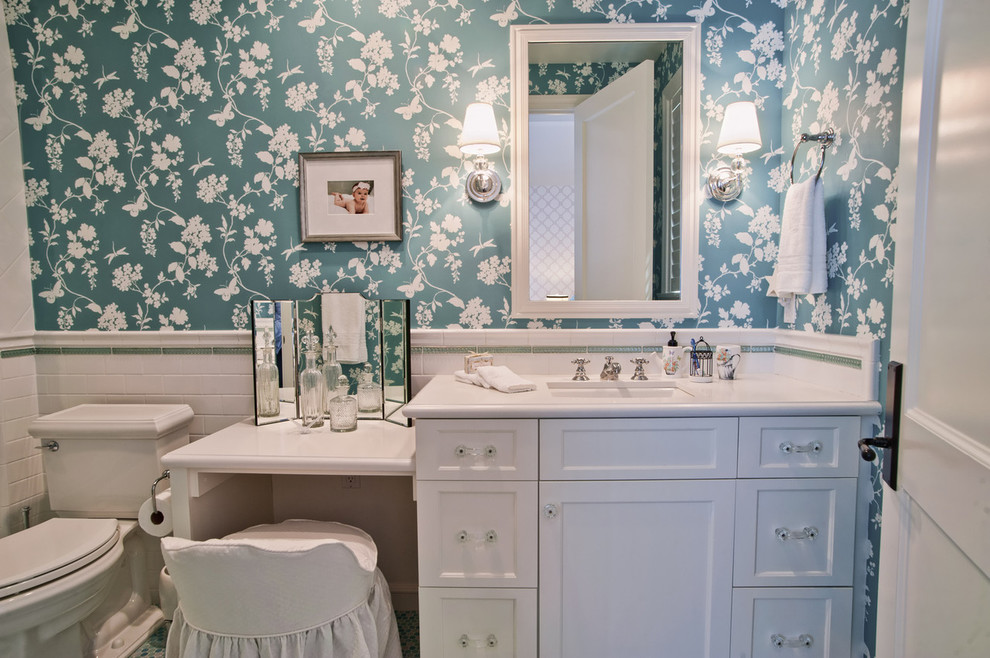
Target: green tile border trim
pixel 121 351
pixel 231 350
pixel 609 349
pixel 508 349
pixel 20 351
pixel 188 350
pixel 559 349
pixel 85 350
pixel 846 361
pixel 460 350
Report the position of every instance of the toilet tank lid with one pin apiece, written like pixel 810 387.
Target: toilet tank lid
pixel 112 421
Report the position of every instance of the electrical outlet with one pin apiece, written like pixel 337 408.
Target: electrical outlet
pixel 350 481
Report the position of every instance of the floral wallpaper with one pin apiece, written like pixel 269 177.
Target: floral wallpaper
pixel 160 144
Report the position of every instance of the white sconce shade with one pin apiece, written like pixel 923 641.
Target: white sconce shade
pixel 740 129
pixel 479 135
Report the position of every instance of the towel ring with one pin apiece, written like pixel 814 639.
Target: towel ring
pixel 825 139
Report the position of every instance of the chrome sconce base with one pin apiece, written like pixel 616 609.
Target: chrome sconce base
pixel 483 184
pixel 726 182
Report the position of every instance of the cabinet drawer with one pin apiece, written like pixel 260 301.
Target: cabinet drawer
pixel 807 622
pixel 638 448
pixel 822 446
pixel 795 532
pixel 478 534
pixel 495 623
pixel 476 449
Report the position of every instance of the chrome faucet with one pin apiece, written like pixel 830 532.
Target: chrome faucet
pixel 611 370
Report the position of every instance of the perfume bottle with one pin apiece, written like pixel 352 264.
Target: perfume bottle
pixel 266 380
pixel 331 368
pixel 343 408
pixel 369 394
pixel 311 386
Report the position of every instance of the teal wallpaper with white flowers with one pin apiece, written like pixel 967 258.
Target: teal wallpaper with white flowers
pixel 160 144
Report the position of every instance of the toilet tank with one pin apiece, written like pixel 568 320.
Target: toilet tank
pixel 108 455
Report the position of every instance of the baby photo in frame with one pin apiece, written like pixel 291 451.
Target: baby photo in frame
pixel 350 197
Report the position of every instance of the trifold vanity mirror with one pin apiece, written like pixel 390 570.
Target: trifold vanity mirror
pixel 369 339
pixel 605 170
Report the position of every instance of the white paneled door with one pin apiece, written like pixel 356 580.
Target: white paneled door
pixel 615 182
pixel 934 594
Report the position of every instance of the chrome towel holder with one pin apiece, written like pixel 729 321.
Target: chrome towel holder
pixel 825 139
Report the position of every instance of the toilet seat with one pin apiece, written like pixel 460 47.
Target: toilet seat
pixel 52 549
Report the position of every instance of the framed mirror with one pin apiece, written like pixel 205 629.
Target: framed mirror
pixel 368 343
pixel 605 170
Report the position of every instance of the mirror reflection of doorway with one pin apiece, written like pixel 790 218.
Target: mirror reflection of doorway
pixel 592 193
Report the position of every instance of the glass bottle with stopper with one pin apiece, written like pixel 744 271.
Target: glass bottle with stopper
pixel 311 384
pixel 332 369
pixel 369 394
pixel 343 408
pixel 266 380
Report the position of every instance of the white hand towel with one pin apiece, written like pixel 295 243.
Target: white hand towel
pixel 470 378
pixel 503 379
pixel 800 268
pixel 345 313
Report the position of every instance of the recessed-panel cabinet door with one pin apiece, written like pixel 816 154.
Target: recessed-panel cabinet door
pixel 635 568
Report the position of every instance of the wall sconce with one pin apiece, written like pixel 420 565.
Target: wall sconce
pixel 740 134
pixel 479 137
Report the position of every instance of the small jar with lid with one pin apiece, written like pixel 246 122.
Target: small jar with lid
pixel 369 393
pixel 343 408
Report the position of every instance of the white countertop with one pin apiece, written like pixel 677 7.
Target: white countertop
pixel 751 395
pixel 375 448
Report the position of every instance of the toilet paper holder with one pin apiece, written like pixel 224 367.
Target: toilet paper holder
pixel 156 516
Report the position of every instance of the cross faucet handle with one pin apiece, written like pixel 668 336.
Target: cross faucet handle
pixel 639 374
pixel 580 375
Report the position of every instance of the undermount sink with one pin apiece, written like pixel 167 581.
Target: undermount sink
pixel 625 389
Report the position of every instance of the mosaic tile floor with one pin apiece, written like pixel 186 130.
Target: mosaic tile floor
pixel 408 621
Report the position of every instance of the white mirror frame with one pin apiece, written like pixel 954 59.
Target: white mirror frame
pixel 521 36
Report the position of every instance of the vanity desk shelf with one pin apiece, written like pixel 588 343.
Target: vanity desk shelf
pixel 222 482
pixel 727 520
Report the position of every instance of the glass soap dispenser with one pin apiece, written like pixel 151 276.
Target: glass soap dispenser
pixel 332 369
pixel 343 408
pixel 369 394
pixel 266 380
pixel 311 385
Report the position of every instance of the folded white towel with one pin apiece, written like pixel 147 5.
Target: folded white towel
pixel 345 313
pixel 470 378
pixel 503 379
pixel 800 268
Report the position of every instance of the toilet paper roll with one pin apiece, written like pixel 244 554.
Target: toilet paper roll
pixel 163 526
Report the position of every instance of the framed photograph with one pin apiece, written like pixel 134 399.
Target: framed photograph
pixel 350 197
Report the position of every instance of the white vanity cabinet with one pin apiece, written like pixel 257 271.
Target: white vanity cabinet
pixel 575 537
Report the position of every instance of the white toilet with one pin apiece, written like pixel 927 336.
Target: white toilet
pixel 77 585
